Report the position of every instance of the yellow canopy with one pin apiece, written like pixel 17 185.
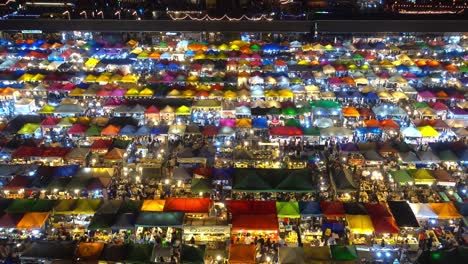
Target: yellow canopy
pixel 360 224
pixel 153 205
pixel 428 131
pixel 90 78
pixel 183 110
pixel 445 210
pixel 77 92
pixel 146 92
pixel 116 78
pixel 230 94
pixel 38 77
pixel 32 221
pixel 188 93
pixel 47 109
pixel 132 92
pixel 285 94
pixel 174 93
pixel 91 62
pixel 26 77
pixel 129 78
pixel 28 129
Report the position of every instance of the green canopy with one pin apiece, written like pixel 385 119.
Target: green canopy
pixel 121 144
pixel 59 183
pixel 193 254
pixel 273 180
pixel 93 131
pixel 101 221
pixel 200 185
pixel 64 206
pixel 288 209
pixel 251 182
pixel 130 206
pixel 160 219
pixel 78 183
pixel 342 253
pixel 43 205
pixel 292 122
pixel 274 111
pixel 401 176
pixel 86 206
pixel 447 156
pixel 311 131
pixel 325 104
pixel 464 69
pixel 357 56
pixel 21 206
pixel 289 111
pixel 255 47
pixel 418 105
pixel 139 253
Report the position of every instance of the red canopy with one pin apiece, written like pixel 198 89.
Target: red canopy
pixel 26 152
pixel 210 131
pixel 101 144
pixel 77 129
pixel 50 122
pixel 285 131
pixel 264 222
pixel 385 225
pixel 188 205
pixel 389 124
pixel 18 182
pixel 242 254
pixel 377 210
pixel 251 207
pixel 152 110
pixel 332 209
pixel 206 172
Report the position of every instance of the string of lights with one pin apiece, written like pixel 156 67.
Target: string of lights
pixel 225 17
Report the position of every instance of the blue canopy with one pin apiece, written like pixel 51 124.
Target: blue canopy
pixel 310 209
pixel 159 130
pixel 335 227
pixel 372 96
pixel 368 130
pixel 66 171
pixel 127 130
pixel 259 123
pixel 143 131
pixel 223 173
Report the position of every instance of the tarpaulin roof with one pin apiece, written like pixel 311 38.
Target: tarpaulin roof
pixel 101 221
pixel 445 210
pixel 354 208
pixel 89 250
pixel 384 225
pixel 262 222
pixel 309 208
pixel 153 205
pixel 109 207
pixel 242 254
pixel 193 254
pixel 343 253
pixel 421 210
pixel 10 220
pixel 32 221
pixel 160 219
pixel 360 224
pixel 53 250
pixel 251 207
pixel 303 255
pixel 401 176
pixel 139 253
pixel 187 205
pixel 332 208
pixel 288 209
pixel 377 209
pixel 343 181
pixel 200 185
pixel 403 214
pixel 124 221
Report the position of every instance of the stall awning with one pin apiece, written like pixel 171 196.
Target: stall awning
pixel 401 177
pixel 403 214
pixel 139 253
pixel 160 219
pixel 445 210
pixel 267 222
pixel 89 250
pixel 303 255
pixel 385 225
pixel 50 250
pixel 332 208
pixel 200 185
pixel 153 205
pixel 421 210
pixel 237 207
pixel 101 221
pixel 360 224
pixel 288 209
pixel 242 254
pixel 310 208
pixel 32 221
pixel 10 220
pixel 422 176
pixel 343 253
pixel 187 205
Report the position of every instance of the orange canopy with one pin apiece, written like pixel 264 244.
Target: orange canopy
pixel 244 123
pixel 389 124
pixel 372 123
pixel 350 112
pixel 110 130
pixel 445 210
pixel 242 254
pixel 32 221
pixel 153 205
pixel 89 251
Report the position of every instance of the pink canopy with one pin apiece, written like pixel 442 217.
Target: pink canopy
pixel 118 92
pixel 229 122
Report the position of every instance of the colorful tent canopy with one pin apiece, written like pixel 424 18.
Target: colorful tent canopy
pixel 288 209
pixel 421 210
pixel 160 219
pixel 242 254
pixel 263 222
pixel 360 224
pixel 32 221
pixel 153 205
pixel 445 210
pixel 187 205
